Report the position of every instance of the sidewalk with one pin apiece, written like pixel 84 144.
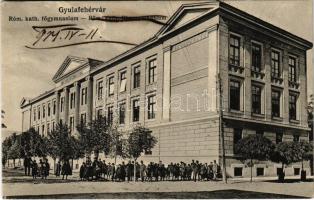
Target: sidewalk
pixel 73 186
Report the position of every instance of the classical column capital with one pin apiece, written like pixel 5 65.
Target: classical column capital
pixel 168 48
pixel 88 78
pixel 77 83
pixel 212 28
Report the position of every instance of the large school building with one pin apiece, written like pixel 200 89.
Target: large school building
pixel 170 84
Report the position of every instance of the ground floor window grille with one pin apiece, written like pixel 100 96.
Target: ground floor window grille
pixel 238 171
pixel 296 171
pixel 260 171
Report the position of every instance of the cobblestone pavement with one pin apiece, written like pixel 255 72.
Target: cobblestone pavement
pixel 20 185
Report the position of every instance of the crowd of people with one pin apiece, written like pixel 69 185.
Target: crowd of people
pixel 42 168
pixel 100 170
pixel 182 171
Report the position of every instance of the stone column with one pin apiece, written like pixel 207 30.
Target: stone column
pixel 66 105
pixel 166 84
pixel 57 114
pixel 89 99
pixel 77 103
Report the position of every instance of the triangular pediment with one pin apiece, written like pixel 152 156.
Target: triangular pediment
pixel 24 101
pixel 69 65
pixel 186 14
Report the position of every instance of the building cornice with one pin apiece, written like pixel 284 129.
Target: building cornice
pixel 222 9
pixel 40 97
pixel 236 14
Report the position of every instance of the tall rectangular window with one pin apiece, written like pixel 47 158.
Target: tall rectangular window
pixel 48 128
pixel 99 89
pixel 84 96
pixel 99 113
pixel 237 136
pixel 111 86
pixel 72 100
pixel 110 114
pixel 275 64
pixel 279 136
pixel 292 106
pixel 234 50
pixel 53 125
pixel 256 57
pixel 71 124
pixel 48 108
pixel 34 114
pixel 122 113
pixel 136 110
pixel 136 77
pixel 275 103
pixel 44 111
pixel 151 107
pixel 54 108
pixel 83 118
pixel 123 81
pixel 38 112
pixel 43 129
pixel 152 71
pixel 292 70
pixel 256 99
pixel 61 104
pixel 234 95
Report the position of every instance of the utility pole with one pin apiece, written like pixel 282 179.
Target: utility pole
pixel 221 130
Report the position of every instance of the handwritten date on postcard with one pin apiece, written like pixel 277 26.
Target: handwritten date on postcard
pixel 57 36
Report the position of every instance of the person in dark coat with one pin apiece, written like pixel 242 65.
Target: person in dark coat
pixel 82 171
pixel 123 173
pixel 113 172
pixel 34 169
pixel 58 169
pixel 47 168
pixel 66 170
pixel 27 165
pixel 128 170
pixel 41 169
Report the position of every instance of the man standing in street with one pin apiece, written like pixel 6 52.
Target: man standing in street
pixel 142 170
pixel 215 170
pixel 27 165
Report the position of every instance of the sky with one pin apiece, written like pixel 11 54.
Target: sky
pixel 28 72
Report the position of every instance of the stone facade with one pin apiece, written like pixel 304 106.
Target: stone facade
pixel 189 53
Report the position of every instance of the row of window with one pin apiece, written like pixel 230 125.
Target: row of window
pixel 152 77
pixel 151 110
pixel 46 129
pixel 260 171
pixel 256 59
pixel 256 102
pixel 36 112
pixel 238 135
pixel 136 75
